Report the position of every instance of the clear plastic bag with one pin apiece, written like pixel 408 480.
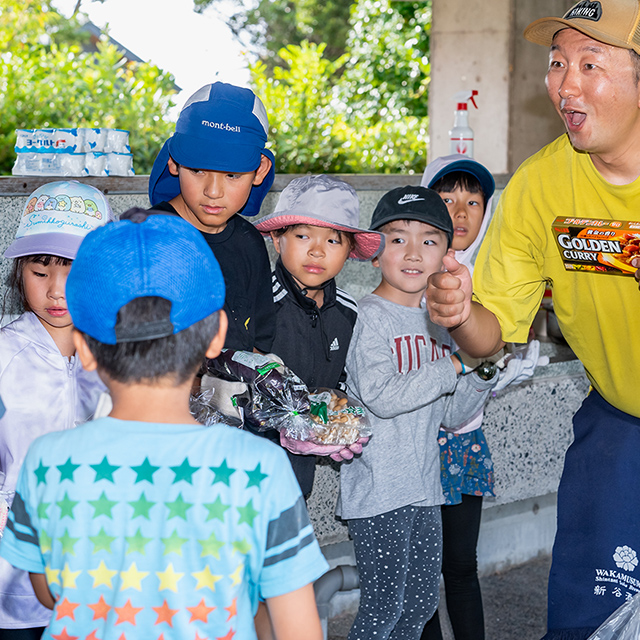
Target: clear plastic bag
pixel 279 400
pixel 205 410
pixel 277 397
pixel 338 418
pixel 622 624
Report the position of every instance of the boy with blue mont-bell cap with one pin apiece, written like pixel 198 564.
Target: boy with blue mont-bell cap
pixel 145 523
pixel 213 167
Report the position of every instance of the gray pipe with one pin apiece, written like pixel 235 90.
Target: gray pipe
pixel 342 578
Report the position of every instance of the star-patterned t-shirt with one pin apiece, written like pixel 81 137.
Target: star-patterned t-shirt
pixel 159 530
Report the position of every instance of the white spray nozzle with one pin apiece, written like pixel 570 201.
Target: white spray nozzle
pixel 462 97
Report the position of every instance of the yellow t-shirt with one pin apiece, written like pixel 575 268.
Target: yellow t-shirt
pixel 599 314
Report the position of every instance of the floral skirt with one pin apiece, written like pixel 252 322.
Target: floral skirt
pixel 466 466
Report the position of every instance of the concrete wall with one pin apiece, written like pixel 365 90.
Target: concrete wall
pixel 533 121
pixel 479 45
pixel 470 49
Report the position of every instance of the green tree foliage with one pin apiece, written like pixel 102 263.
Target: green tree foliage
pixel 345 82
pixel 365 112
pixel 273 24
pixel 300 104
pixel 387 75
pixel 46 80
pixel 314 129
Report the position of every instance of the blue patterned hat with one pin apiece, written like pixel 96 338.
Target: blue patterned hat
pixel 56 218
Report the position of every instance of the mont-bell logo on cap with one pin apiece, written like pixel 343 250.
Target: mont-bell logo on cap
pixel 586 11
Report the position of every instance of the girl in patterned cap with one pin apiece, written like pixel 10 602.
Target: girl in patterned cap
pixel 42 383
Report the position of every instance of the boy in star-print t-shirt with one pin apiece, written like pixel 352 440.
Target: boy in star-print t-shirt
pixel 145 524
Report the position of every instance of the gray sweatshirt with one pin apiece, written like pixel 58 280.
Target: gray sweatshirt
pixel 397 367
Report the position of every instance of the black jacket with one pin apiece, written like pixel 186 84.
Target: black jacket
pixel 241 253
pixel 312 342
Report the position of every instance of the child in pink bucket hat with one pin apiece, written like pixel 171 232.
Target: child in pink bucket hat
pixel 315 229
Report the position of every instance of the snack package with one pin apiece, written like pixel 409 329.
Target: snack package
pixel 338 419
pixel 599 246
pixel 622 624
pixel 220 401
pixel 204 409
pixel 277 397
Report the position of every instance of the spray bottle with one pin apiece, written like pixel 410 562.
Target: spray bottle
pixel 461 136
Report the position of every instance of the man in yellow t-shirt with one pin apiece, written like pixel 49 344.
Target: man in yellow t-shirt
pixel 591 172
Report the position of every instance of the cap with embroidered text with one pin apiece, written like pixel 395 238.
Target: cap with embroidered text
pixel 56 218
pixel 121 261
pixel 413 203
pixel 220 128
pixel 614 22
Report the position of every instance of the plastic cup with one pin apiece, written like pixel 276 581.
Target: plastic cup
pixel 117 141
pixel 43 140
pixel 25 140
pixel 73 164
pixel 51 164
pixel 65 140
pixel 120 164
pixel 95 164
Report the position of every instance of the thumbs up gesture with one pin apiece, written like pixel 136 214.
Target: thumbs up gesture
pixel 449 292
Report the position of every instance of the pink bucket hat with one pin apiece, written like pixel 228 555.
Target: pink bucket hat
pixel 321 201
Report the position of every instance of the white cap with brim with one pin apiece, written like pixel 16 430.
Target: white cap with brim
pixel 57 217
pixel 322 201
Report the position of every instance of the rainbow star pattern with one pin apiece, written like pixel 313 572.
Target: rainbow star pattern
pixel 170 542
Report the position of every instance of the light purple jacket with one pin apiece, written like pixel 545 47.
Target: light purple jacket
pixel 42 391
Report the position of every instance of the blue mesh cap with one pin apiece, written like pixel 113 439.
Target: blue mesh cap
pixel 160 256
pixel 220 128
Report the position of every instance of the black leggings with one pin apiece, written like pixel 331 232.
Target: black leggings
pixel 33 633
pixel 460 528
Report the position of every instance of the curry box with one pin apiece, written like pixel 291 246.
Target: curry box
pixel 600 246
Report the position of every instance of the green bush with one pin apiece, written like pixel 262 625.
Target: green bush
pixel 314 127
pixel 47 80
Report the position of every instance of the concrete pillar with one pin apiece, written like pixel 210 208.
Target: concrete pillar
pixel 478 44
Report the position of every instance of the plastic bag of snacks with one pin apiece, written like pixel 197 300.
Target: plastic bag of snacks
pixel 622 624
pixel 277 397
pixel 279 400
pixel 338 419
pixel 205 410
